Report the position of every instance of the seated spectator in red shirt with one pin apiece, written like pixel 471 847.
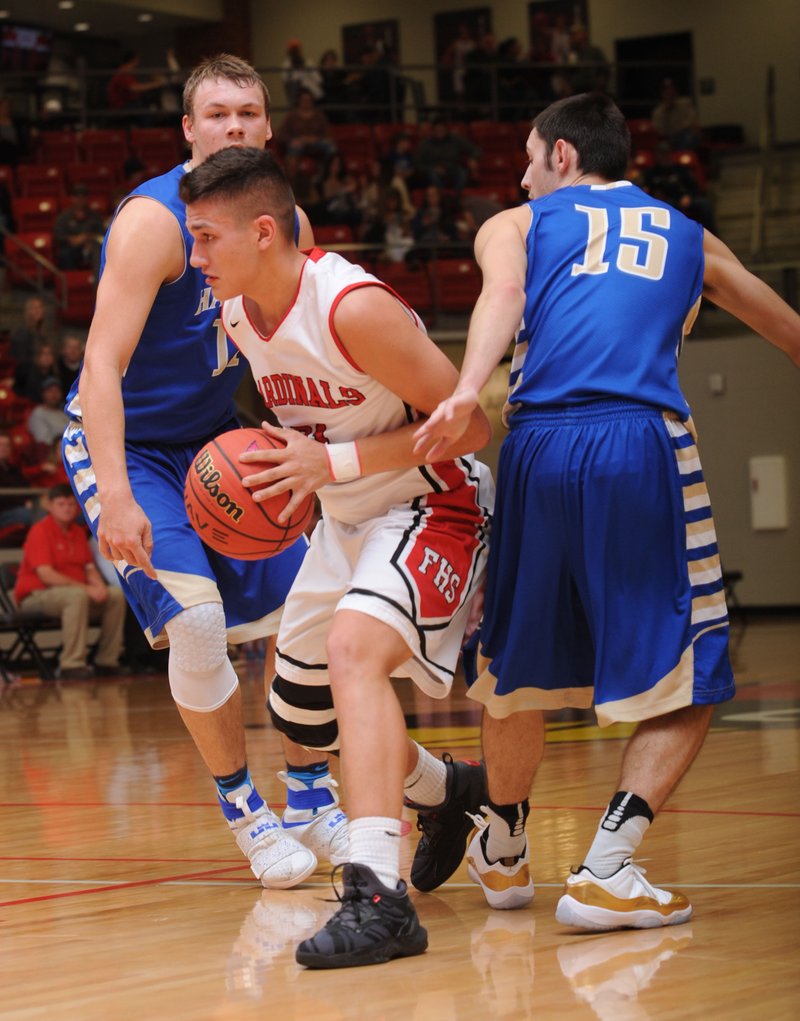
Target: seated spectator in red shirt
pixel 305 130
pixel 58 576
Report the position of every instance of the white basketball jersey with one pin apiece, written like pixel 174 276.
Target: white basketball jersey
pixel 308 380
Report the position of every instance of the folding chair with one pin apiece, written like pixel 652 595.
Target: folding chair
pixel 24 625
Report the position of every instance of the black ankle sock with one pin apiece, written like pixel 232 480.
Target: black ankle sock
pixel 515 815
pixel 623 806
pixel 232 780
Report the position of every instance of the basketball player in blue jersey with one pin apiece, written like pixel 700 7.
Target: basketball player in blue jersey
pixel 157 382
pixel 604 577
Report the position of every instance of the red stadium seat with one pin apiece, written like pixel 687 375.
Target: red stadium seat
pixel 34 213
pixel 81 290
pixel 457 284
pixel 413 285
pixel 36 180
pixel 23 268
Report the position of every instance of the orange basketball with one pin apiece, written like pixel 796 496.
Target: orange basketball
pixel 223 512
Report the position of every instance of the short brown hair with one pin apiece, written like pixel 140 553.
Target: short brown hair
pixel 594 124
pixel 225 67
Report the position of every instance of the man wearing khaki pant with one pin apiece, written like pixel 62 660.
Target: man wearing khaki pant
pixel 58 576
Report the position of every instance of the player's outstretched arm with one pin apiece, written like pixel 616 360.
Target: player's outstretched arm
pixel 501 255
pixel 728 284
pixel 144 249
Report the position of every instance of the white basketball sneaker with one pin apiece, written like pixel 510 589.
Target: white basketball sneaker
pixel 623 901
pixel 323 827
pixel 507 883
pixel 278 860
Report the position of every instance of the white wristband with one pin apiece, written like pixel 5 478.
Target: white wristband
pixel 344 461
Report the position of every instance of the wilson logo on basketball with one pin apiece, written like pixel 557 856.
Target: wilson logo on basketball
pixel 209 477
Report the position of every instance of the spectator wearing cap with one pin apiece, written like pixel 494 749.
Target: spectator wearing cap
pixel 297 74
pixel 47 421
pixel 78 233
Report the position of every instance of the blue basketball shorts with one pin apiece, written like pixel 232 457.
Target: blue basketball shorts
pixel 604 582
pixel 252 592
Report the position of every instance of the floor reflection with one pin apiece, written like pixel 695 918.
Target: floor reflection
pixel 609 972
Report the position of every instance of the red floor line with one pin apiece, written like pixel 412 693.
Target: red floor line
pixel 146 861
pixel 118 886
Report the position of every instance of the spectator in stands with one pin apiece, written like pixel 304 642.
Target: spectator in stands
pixel 304 184
pixel 58 576
pixel 32 332
pixel 45 471
pixel 47 421
pixel 675 183
pixel 70 356
pixel 372 85
pixel 402 167
pixel 16 509
pixel 675 118
pixel 335 93
pixel 446 159
pixel 513 86
pixel 455 57
pixel 78 233
pixel 298 74
pixel 391 227
pixel 338 193
pixel 30 376
pixel 441 220
pixel 125 89
pixel 592 72
pixel 480 83
pixel 305 130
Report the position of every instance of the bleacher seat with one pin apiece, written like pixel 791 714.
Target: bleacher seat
pixel 155 145
pixel 643 134
pixel 36 180
pixel 690 159
pixel 354 141
pixel 495 137
pixel 99 178
pixel 57 147
pixel 413 285
pixel 494 170
pixel 457 284
pixel 104 145
pixel 23 269
pixel 34 214
pixel 81 290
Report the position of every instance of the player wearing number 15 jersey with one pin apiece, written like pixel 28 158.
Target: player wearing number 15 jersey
pixel 604 580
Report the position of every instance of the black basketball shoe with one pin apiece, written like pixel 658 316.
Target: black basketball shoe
pixel 373 925
pixel 445 827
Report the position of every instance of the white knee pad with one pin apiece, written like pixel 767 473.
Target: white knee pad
pixel 201 677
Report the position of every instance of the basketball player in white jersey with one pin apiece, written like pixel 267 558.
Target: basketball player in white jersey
pixel 394 563
pixel 158 380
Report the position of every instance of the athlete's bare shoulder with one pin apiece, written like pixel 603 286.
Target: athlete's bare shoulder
pixel 145 233
pixel 503 229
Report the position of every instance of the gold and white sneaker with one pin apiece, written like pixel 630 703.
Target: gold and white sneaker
pixel 623 901
pixel 507 883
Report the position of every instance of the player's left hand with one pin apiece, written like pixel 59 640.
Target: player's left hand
pixel 300 465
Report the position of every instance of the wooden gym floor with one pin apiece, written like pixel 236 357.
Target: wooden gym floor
pixel 123 898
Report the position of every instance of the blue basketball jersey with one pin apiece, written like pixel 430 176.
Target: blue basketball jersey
pixel 613 284
pixel 180 384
